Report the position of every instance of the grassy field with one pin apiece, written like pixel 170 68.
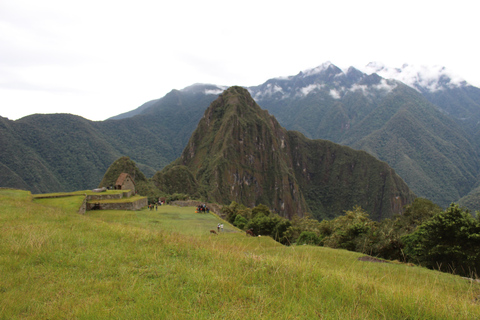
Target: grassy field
pixel 80 193
pixel 165 264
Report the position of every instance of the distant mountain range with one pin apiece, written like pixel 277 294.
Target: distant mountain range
pixel 430 141
pixel 426 128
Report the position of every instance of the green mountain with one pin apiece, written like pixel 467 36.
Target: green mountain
pixel 63 152
pixel 430 149
pixel 48 153
pixel 240 153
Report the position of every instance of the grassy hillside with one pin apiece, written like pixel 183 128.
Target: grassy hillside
pixel 165 264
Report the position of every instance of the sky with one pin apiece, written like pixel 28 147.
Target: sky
pixel 99 58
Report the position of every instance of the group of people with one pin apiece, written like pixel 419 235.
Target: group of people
pixel 155 205
pixel 202 209
pixel 220 227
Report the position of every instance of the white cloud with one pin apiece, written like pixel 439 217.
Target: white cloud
pixel 306 90
pixel 424 76
pixel 359 87
pixel 214 91
pixel 115 55
pixel 335 94
pixel 385 85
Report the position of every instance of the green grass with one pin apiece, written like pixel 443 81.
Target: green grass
pixel 165 264
pixel 70 204
pixel 81 192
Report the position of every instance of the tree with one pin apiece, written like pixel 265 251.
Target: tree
pixel 386 238
pixel 308 237
pixel 264 222
pixel 260 209
pixel 449 241
pixel 348 231
pixel 240 222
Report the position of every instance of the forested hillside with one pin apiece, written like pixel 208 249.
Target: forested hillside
pixel 240 153
pixel 63 152
pixel 430 149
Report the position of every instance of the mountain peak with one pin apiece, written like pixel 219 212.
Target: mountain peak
pixel 321 68
pixel 234 97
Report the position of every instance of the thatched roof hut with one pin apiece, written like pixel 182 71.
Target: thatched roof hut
pixel 125 182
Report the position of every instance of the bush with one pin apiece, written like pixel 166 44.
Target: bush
pixel 268 224
pixel 348 231
pixel 240 222
pixel 449 241
pixel 386 238
pixel 308 237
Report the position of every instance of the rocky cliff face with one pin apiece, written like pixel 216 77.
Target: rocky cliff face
pixel 240 153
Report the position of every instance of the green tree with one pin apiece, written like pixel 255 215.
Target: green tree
pixel 449 241
pixel 348 231
pixel 259 210
pixel 266 223
pixel 309 237
pixel 386 237
pixel 299 225
pixel 240 222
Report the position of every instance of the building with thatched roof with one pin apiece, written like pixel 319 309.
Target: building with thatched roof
pixel 125 182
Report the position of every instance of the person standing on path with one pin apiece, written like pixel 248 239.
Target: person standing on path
pixel 218 227
pixel 221 227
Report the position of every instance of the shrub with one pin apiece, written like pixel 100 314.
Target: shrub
pixel 240 222
pixel 348 231
pixel 266 223
pixel 386 238
pixel 308 237
pixel 449 241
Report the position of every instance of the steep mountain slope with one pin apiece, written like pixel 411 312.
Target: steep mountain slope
pixel 54 152
pixel 157 135
pixel 240 153
pixel 426 148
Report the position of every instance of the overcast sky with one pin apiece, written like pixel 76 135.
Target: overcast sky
pixel 98 58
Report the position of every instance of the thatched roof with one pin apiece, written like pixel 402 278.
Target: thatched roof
pixel 122 177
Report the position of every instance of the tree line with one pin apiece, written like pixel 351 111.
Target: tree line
pixel 425 234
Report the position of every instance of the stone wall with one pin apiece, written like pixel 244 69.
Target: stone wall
pixel 107 196
pixel 128 193
pixel 134 205
pixel 128 184
pixel 83 207
pixel 104 196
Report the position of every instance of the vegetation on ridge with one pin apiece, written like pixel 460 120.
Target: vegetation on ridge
pixel 441 240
